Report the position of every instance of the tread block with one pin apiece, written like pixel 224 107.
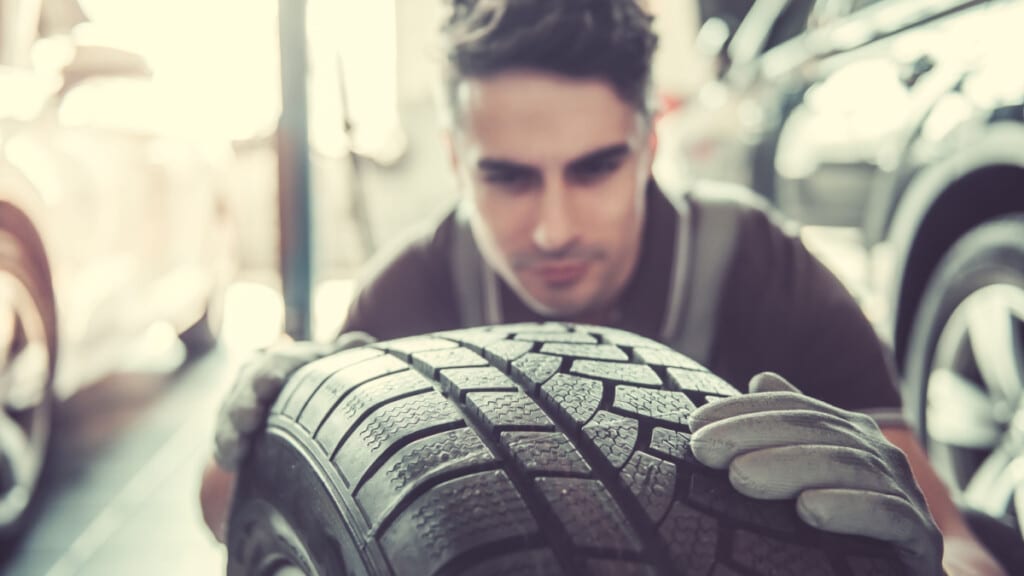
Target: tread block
pixel 662 405
pixel 766 555
pixel 564 337
pixel 663 356
pixel 527 563
pixel 653 482
pixel 532 370
pixel 452 519
pixel 448 450
pixel 718 495
pixel 396 422
pixel 308 378
pixel 531 327
pixel 458 381
pixel 603 567
pixel 589 514
pixel 365 398
pixel 503 353
pixel 614 435
pixel 617 372
pixel 672 444
pixel 335 387
pixel 692 538
pixel 437 360
pixel 406 347
pixel 576 398
pixel 544 452
pixel 591 351
pixel 622 337
pixel 704 382
pixel 475 340
pixel 507 410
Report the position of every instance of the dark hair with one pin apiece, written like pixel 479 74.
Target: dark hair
pixel 607 39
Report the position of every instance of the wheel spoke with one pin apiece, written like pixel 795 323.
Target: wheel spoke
pixel 995 340
pixel 23 464
pixel 1017 475
pixel 25 378
pixel 960 413
pixel 992 488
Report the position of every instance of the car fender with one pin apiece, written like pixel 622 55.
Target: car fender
pixel 916 219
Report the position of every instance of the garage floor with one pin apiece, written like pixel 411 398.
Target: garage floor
pixel 120 494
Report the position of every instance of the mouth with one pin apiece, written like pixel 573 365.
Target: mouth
pixel 561 274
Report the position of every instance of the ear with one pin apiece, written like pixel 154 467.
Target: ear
pixel 652 145
pixel 449 143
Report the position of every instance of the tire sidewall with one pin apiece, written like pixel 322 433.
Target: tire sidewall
pixel 23 257
pixel 991 253
pixel 285 513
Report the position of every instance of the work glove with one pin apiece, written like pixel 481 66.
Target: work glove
pixel 846 477
pixel 259 381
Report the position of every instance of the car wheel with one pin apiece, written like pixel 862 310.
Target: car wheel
pixel 519 449
pixel 965 366
pixel 27 354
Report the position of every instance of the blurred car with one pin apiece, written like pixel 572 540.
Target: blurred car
pixel 728 129
pixel 903 121
pixel 912 126
pixel 112 219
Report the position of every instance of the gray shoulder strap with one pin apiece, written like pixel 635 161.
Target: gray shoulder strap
pixel 707 237
pixel 475 284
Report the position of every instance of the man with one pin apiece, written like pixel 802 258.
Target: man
pixel 552 144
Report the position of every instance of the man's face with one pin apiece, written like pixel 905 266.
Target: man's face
pixel 554 169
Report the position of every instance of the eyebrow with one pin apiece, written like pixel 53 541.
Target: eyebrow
pixel 602 154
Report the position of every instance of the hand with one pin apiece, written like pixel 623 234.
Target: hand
pixel 846 477
pixel 259 381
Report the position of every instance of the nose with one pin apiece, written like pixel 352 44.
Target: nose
pixel 554 230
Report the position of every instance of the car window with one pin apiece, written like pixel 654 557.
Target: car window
pixel 791 23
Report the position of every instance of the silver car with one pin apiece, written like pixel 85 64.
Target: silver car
pixel 113 217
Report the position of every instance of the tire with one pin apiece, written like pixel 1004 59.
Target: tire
pixel 519 449
pixel 28 346
pixel 959 388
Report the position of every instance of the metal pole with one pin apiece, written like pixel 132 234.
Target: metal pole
pixel 293 173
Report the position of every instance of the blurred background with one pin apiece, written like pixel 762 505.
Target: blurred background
pixel 151 235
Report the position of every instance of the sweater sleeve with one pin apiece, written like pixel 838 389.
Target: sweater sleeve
pixel 406 291
pixel 784 311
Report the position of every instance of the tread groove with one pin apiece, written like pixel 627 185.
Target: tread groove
pixel 546 520
pixel 602 469
pixel 584 454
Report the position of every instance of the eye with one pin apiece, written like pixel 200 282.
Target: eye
pixel 511 179
pixel 595 170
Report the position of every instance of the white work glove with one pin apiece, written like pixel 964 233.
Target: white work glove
pixel 259 381
pixel 846 477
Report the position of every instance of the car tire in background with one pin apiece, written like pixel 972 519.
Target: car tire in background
pixel 28 347
pixel 965 366
pixel 518 449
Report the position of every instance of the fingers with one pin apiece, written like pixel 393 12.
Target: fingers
pixel 718 443
pixel 759 403
pixel 229 448
pixel 770 382
pixel 882 516
pixel 353 339
pixel 769 474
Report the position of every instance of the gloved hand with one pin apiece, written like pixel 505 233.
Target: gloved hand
pixel 846 477
pixel 259 381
